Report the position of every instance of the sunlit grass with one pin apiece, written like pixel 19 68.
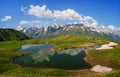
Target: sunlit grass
pixel 8 50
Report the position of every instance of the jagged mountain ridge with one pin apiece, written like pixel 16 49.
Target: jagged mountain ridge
pixel 55 30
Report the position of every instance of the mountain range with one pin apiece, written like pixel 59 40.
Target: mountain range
pixel 56 29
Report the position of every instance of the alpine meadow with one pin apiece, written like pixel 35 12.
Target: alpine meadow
pixel 59 38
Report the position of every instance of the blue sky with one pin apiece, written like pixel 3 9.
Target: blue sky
pixel 23 12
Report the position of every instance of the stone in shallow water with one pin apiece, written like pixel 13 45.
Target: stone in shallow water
pixel 99 68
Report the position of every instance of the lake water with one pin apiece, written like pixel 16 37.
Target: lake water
pixel 34 47
pixel 44 57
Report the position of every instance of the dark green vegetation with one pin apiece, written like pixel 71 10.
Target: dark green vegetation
pixel 8 50
pixel 11 35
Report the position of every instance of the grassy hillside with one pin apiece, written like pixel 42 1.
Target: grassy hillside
pixel 11 35
pixel 110 58
pixel 71 41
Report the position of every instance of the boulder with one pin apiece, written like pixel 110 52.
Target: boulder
pixel 99 68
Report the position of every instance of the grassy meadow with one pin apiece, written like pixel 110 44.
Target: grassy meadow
pixel 110 58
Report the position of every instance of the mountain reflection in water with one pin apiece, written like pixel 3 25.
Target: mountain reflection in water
pixel 45 57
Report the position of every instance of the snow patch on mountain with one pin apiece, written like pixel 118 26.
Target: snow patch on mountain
pixel 56 28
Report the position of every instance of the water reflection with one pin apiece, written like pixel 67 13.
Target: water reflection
pixel 34 47
pixel 47 58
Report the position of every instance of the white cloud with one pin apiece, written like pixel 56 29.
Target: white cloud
pixel 34 22
pixel 68 14
pixel 44 12
pixel 102 26
pixel 90 21
pixel 94 24
pixel 24 9
pixel 24 22
pixel 41 12
pixel 111 27
pixel 6 18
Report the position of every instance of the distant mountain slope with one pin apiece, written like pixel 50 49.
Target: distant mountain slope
pixel 11 34
pixel 55 30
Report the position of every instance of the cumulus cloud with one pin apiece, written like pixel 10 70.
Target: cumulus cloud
pixel 6 18
pixel 24 22
pixel 94 24
pixel 44 12
pixel 41 12
pixel 103 27
pixel 24 9
pixel 68 14
pixel 90 20
pixel 111 27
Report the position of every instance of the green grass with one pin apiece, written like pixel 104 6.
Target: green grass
pixel 110 58
pixel 38 72
pixel 71 41
pixel 8 50
pixel 105 57
pixel 113 74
